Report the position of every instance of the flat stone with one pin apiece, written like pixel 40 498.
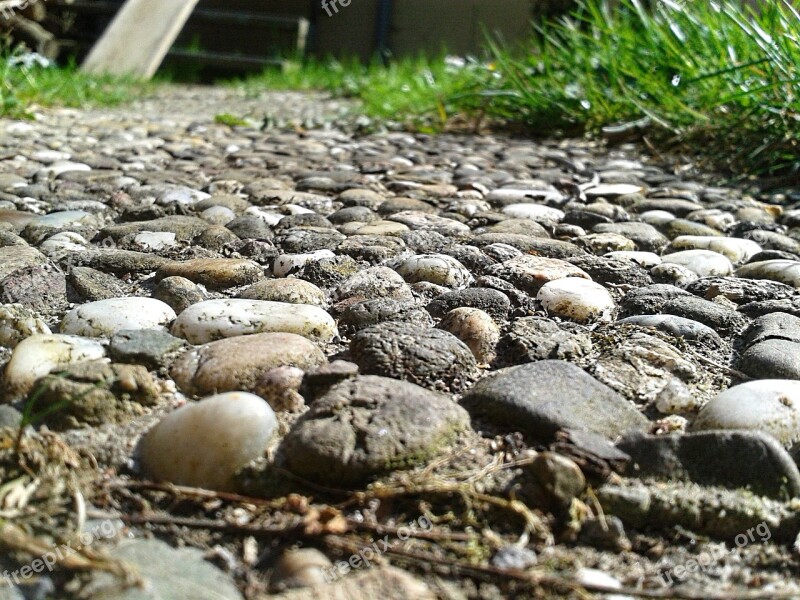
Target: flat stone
pixel 494 302
pixel 205 443
pixel 91 285
pixel 13 258
pixel 151 347
pixel 736 250
pixel 677 326
pixel 104 318
pixel 650 299
pixel 166 573
pixel 540 398
pixel 720 318
pixel 715 458
pixel 238 363
pixel 530 339
pixel 217 319
pixel 214 273
pixel 367 426
pixel 439 269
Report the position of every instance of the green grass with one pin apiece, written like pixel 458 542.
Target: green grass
pixel 22 88
pixel 421 93
pixel 717 80
pixel 720 79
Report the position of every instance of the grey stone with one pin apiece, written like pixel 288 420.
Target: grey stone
pixel 773 326
pixel 677 326
pixel 540 398
pixel 603 269
pixel 368 313
pixel 151 347
pixel 167 574
pixel 39 287
pixel 646 237
pixel 740 291
pixel 772 359
pixel 431 358
pixel 720 318
pixel 732 459
pixel 368 425
pixel 650 299
pixel 530 339
pixel 178 292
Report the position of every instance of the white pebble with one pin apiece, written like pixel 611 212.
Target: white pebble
pixel 38 355
pixel 204 444
pixel 439 269
pixel 104 318
pixel 289 263
pixel 217 319
pixel 17 323
pixel 737 250
pixel 647 260
pixel 703 263
pixel 782 270
pixel 578 299
pixel 155 240
pixel 534 212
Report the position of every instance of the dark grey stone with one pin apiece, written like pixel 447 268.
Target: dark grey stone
pixel 720 318
pixel 732 459
pixel 540 398
pixel 530 339
pixel 368 313
pixel 603 270
pixel 774 326
pixel 150 347
pixel 368 425
pixel 91 285
pixel 740 291
pixel 431 358
pixel 493 302
pixel 649 300
pixel 646 237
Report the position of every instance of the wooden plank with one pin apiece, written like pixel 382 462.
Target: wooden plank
pixel 139 37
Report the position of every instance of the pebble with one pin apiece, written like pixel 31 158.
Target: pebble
pixel 214 273
pixel 476 329
pixel 104 318
pixel 217 319
pixel 439 269
pixel 530 339
pixel 428 357
pixel 18 323
pixel 239 363
pixel 530 273
pixel 368 425
pixel 768 405
pixel 783 271
pixel 178 292
pixel 204 444
pixel 577 299
pixel 289 290
pixel 39 354
pixel 287 264
pixel 677 326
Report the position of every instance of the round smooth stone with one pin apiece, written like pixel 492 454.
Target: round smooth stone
pixel 214 273
pixel 476 329
pixel 288 263
pixel 238 363
pixel 768 405
pixel 288 289
pixel 204 444
pixel 66 217
pixel 104 318
pixel 704 263
pixel 784 271
pixel 612 190
pixel 217 319
pixel 40 354
pixel 578 299
pixel 534 212
pixel 736 250
pixel 646 260
pixel 438 269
